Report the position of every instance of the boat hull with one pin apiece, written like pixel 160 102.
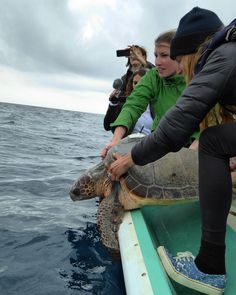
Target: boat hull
pixel 177 227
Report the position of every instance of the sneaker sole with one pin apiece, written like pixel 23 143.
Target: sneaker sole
pixel 184 280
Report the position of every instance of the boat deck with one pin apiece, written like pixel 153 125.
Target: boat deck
pixel 177 227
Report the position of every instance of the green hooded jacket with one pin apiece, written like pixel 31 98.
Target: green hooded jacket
pixel 160 93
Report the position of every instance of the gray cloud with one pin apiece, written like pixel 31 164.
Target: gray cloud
pixel 36 35
pixel 46 36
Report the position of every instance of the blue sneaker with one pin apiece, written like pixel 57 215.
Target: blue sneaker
pixel 183 270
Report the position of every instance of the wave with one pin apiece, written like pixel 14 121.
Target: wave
pixel 11 122
pixel 49 244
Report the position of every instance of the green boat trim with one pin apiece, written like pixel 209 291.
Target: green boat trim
pixel 177 227
pixel 140 263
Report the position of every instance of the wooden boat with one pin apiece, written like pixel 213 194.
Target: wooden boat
pixel 177 227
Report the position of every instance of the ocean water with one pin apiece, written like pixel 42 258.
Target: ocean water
pixel 48 243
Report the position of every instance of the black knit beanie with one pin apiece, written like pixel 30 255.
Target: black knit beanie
pixel 194 27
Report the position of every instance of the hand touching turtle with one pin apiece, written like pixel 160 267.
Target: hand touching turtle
pixel 120 166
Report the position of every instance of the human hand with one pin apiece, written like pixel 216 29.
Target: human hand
pixel 119 132
pixel 135 54
pixel 120 166
pixel 108 146
pixel 134 51
pixel 115 92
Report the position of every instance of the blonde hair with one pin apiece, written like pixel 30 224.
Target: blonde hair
pixel 188 63
pixel 218 114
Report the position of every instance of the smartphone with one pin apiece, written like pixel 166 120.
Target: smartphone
pixel 123 52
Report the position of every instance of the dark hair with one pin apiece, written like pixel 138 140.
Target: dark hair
pixel 143 52
pixel 141 72
pixel 165 37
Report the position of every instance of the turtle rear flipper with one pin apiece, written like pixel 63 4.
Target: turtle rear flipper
pixel 109 217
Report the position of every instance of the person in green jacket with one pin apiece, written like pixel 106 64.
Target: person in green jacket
pixel 160 88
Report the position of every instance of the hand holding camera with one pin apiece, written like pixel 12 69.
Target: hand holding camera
pixel 127 52
pixel 115 97
pixel 133 52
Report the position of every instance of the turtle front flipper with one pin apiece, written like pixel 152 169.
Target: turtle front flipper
pixel 109 217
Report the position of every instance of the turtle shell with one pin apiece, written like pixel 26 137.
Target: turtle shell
pixel 173 177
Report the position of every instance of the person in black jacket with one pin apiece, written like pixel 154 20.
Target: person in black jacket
pixel 213 82
pixel 136 61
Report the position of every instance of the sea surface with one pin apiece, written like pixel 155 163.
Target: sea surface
pixel 48 243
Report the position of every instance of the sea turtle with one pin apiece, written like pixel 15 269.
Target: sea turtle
pixel 171 179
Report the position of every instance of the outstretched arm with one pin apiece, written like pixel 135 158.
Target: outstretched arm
pixel 117 136
pixel 181 120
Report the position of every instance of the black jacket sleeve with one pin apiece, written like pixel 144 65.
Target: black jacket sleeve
pixel 182 120
pixel 111 115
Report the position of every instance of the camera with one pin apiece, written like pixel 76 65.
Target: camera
pixel 123 52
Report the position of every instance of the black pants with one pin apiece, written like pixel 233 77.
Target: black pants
pixel 217 144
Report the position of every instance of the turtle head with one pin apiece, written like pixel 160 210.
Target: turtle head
pixel 90 184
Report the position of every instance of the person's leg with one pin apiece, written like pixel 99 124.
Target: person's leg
pixel 217 144
pixel 206 272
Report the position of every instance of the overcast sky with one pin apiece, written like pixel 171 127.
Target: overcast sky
pixel 62 53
